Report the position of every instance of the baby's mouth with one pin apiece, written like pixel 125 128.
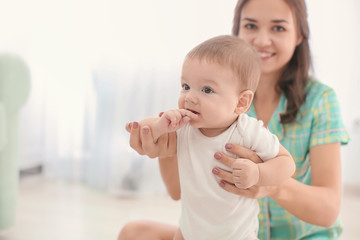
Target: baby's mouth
pixel 197 113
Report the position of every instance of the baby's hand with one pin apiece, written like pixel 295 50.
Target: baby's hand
pixel 245 173
pixel 174 119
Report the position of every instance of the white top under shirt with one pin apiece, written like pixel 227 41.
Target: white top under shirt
pixel 208 211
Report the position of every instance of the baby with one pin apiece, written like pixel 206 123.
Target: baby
pixel 219 78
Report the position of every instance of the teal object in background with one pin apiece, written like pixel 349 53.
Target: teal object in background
pixel 14 91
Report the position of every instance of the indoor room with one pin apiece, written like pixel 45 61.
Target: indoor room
pixel 73 73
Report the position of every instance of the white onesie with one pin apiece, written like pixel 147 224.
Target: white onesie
pixel 208 211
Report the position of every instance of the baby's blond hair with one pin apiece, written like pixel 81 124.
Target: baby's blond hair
pixel 233 52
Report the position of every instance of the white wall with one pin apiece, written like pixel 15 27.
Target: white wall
pixel 63 40
pixel 335 38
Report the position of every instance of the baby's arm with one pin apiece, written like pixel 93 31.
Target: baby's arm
pixel 276 170
pixel 170 121
pixel 278 164
pixel 272 172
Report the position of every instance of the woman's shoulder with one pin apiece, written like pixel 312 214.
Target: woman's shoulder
pixel 315 90
pixel 322 109
pixel 314 86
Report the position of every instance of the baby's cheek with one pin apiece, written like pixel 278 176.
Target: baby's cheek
pixel 181 102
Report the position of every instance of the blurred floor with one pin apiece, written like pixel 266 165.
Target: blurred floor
pixel 53 210
pixel 50 210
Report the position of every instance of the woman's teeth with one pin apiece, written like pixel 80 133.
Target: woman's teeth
pixel 264 55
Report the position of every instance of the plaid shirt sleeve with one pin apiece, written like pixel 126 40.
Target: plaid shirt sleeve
pixel 327 125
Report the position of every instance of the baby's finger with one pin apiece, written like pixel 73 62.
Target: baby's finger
pixel 191 115
pixel 176 119
pixel 172 117
pixel 185 112
pixel 184 120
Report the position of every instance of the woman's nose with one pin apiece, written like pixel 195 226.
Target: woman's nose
pixel 262 38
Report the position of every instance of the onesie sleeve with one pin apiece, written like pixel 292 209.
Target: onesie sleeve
pixel 327 124
pixel 257 137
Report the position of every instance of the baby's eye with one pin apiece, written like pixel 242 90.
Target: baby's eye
pixel 185 87
pixel 207 90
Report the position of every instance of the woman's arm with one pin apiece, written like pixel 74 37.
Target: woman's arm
pixel 317 204
pixel 170 175
pixel 141 140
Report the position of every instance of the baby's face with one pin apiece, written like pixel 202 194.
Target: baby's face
pixel 211 91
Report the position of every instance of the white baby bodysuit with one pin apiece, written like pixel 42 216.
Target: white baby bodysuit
pixel 208 211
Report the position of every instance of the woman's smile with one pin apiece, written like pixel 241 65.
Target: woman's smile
pixel 265 55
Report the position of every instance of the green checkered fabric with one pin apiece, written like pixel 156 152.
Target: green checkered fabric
pixel 318 122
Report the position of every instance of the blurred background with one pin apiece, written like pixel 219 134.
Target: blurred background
pixel 94 65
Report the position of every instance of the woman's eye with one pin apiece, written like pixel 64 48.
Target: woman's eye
pixel 185 87
pixel 279 29
pixel 207 90
pixel 250 26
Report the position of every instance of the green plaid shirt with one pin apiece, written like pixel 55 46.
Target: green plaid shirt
pixel 318 122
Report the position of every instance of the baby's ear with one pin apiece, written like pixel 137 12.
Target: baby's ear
pixel 244 102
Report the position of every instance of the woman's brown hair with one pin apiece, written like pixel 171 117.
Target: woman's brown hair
pixel 296 74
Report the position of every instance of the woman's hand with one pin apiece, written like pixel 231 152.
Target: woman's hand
pixel 230 179
pixel 141 140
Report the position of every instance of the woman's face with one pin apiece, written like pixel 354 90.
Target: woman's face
pixel 270 26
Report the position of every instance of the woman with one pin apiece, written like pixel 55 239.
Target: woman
pixel 302 112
